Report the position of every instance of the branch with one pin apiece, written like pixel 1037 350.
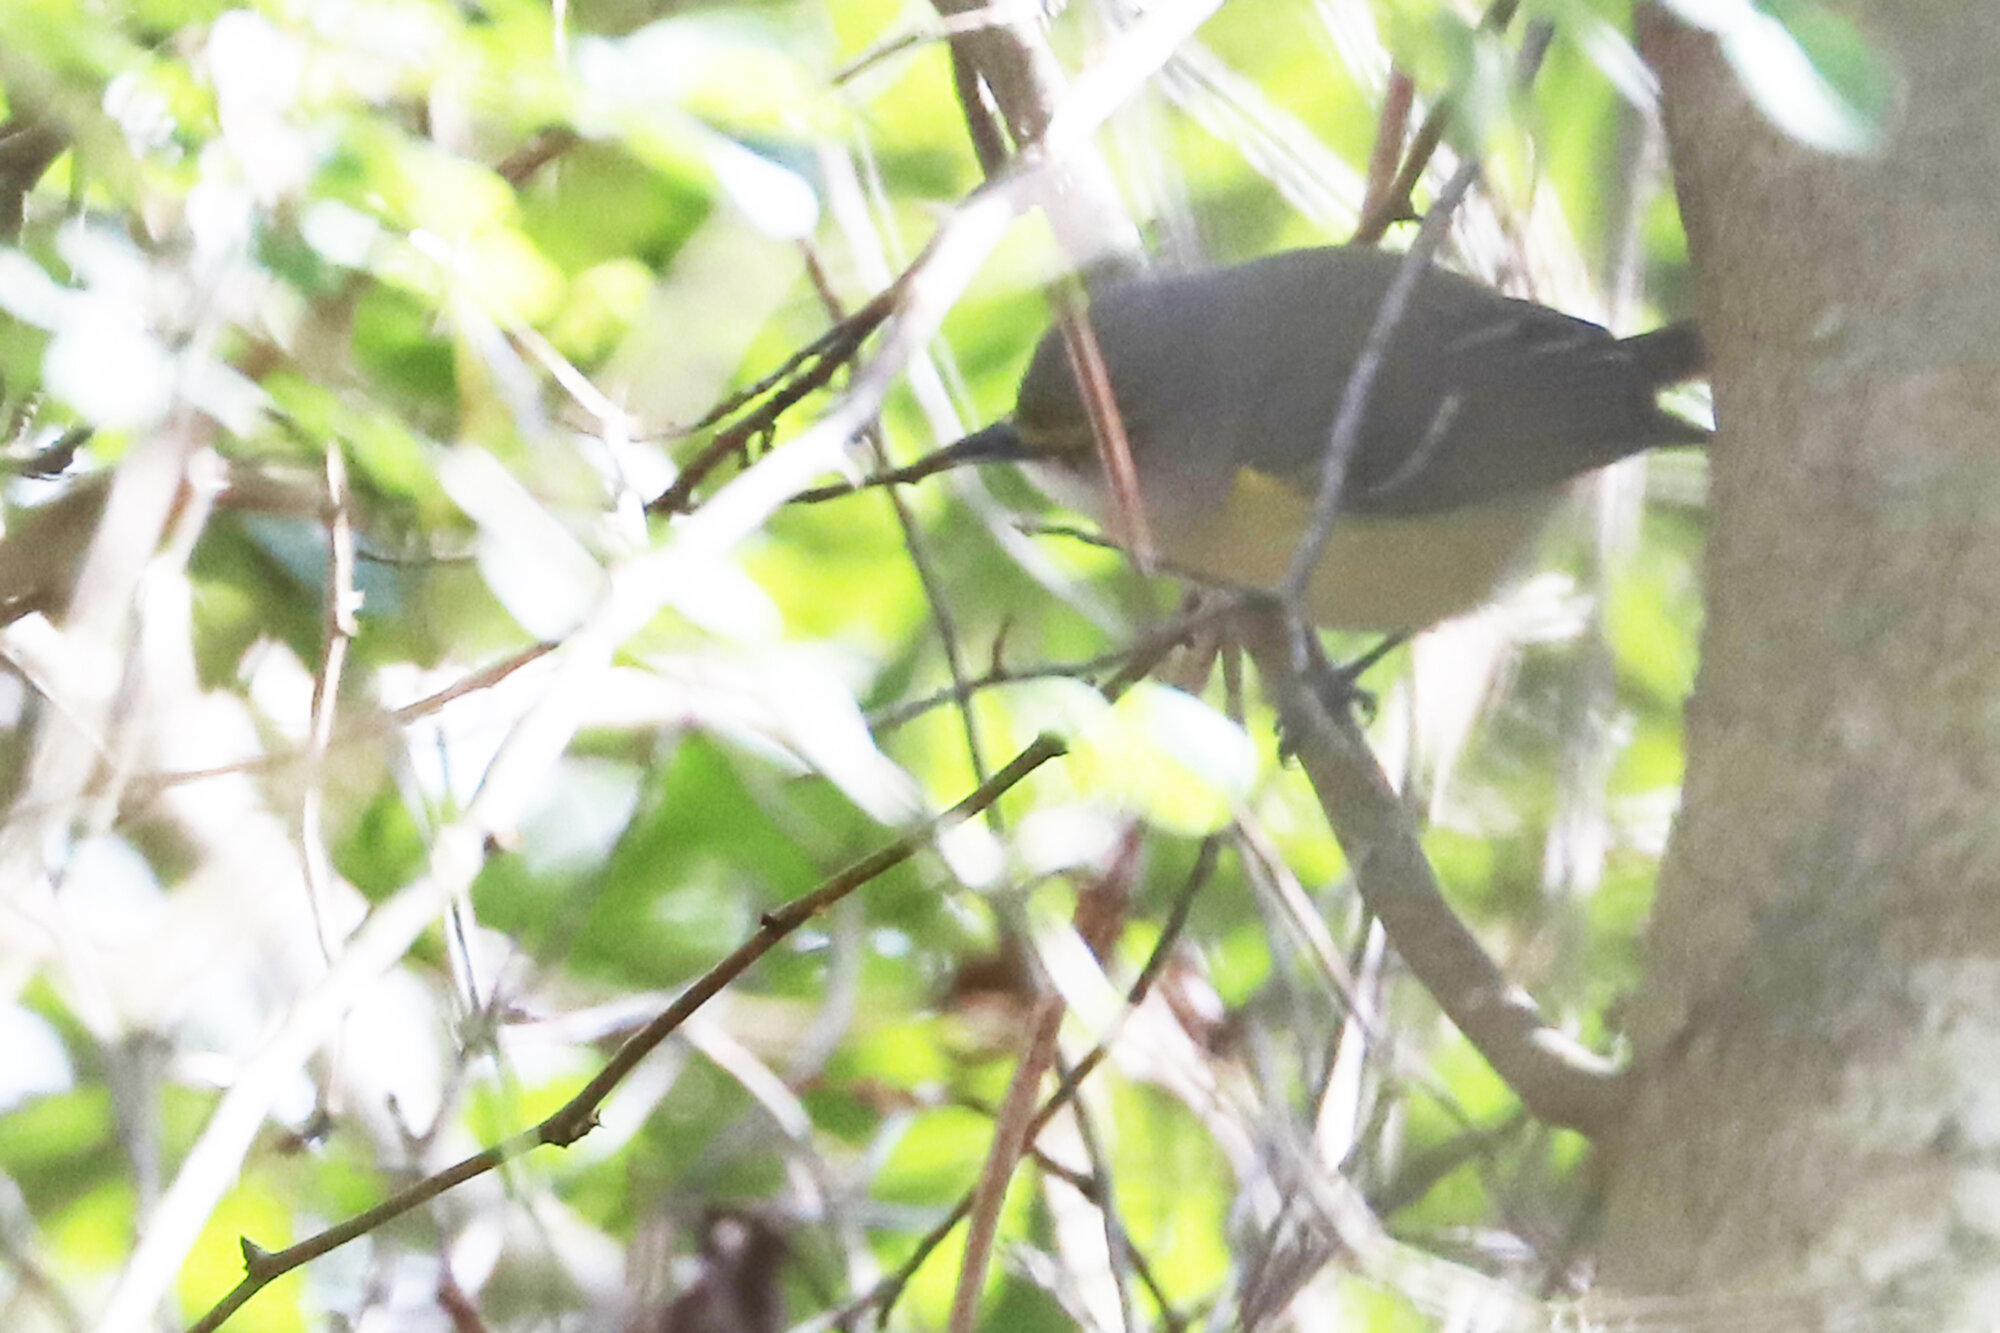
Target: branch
pixel 1392 199
pixel 809 369
pixel 1557 1079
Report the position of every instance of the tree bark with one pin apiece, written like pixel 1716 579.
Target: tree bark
pixel 1815 1138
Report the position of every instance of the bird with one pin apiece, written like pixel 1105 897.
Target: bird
pixel 1227 383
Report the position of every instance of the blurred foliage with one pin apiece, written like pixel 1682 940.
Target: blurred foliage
pixel 499 258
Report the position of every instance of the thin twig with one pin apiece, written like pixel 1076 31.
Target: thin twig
pixel 1099 1187
pixel 1149 647
pixel 1360 385
pixel 997 13
pixel 1092 377
pixel 483 678
pixel 339 629
pixel 810 368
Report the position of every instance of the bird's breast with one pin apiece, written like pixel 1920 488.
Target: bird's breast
pixel 1379 572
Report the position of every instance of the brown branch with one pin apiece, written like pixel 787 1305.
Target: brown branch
pixel 578 1116
pixel 982 122
pixel 1396 202
pixel 1381 198
pixel 29 146
pixel 1557 1079
pixel 1092 376
pixel 1013 1129
pixel 1020 79
pixel 1148 649
pixel 542 147
pixel 810 368
pixel 1098 919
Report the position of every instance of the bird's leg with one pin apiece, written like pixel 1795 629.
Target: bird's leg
pixel 1335 684
pixel 1350 672
pixel 1338 684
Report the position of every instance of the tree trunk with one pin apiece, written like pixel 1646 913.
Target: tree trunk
pixel 1815 1140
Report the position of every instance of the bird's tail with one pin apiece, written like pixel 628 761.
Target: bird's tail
pixel 1669 355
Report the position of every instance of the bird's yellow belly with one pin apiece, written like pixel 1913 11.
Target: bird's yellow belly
pixel 1380 572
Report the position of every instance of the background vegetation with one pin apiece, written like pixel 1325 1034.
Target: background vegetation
pixel 377 761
